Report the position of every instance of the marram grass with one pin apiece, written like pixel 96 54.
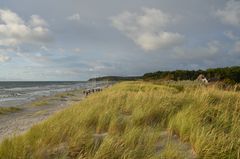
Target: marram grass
pixel 5 110
pixel 39 103
pixel 125 122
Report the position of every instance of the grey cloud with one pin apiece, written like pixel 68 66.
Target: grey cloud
pixel 231 35
pixel 230 14
pixel 236 48
pixel 212 50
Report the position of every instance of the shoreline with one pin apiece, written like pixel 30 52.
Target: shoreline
pixel 36 111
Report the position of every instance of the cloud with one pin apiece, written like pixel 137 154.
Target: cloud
pixel 148 30
pixel 4 58
pixel 235 42
pixel 97 67
pixel 61 50
pixel 237 47
pixel 77 50
pixel 211 50
pixel 150 41
pixel 44 48
pixel 74 17
pixel 230 14
pixel 37 58
pixel 231 35
pixel 37 21
pixel 14 30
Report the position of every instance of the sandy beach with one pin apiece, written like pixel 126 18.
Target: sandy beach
pixel 35 112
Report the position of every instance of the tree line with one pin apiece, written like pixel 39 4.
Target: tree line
pixel 229 75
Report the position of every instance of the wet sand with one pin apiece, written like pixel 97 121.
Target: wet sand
pixel 16 123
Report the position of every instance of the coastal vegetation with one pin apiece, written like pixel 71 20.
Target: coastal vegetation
pixel 39 103
pixel 138 120
pixel 63 96
pixel 5 110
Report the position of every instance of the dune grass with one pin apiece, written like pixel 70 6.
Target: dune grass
pixel 126 120
pixel 64 94
pixel 40 103
pixel 5 110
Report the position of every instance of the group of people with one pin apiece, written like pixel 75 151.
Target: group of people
pixel 92 90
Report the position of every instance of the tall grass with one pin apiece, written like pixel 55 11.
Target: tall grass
pixel 126 120
pixel 40 103
pixel 5 110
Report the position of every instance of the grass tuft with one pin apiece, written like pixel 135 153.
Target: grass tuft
pixel 39 103
pixel 5 110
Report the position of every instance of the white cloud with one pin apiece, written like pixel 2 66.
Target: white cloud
pixel 149 41
pixel 14 31
pixel 10 17
pixel 148 30
pixel 230 14
pixel 37 21
pixel 74 17
pixel 4 58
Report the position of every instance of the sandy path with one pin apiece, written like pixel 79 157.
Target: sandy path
pixel 16 123
pixel 184 148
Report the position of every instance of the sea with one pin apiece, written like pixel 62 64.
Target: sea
pixel 15 93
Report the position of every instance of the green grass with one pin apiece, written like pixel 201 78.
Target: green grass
pixel 5 110
pixel 126 120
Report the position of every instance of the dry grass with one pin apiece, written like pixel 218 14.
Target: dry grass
pixel 125 122
pixel 5 110
pixel 40 103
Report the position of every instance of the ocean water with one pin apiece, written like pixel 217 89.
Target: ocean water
pixel 18 93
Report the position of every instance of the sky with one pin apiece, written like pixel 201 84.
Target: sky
pixel 75 39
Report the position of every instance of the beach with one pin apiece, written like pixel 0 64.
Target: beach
pixel 15 93
pixel 33 102
pixel 36 111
